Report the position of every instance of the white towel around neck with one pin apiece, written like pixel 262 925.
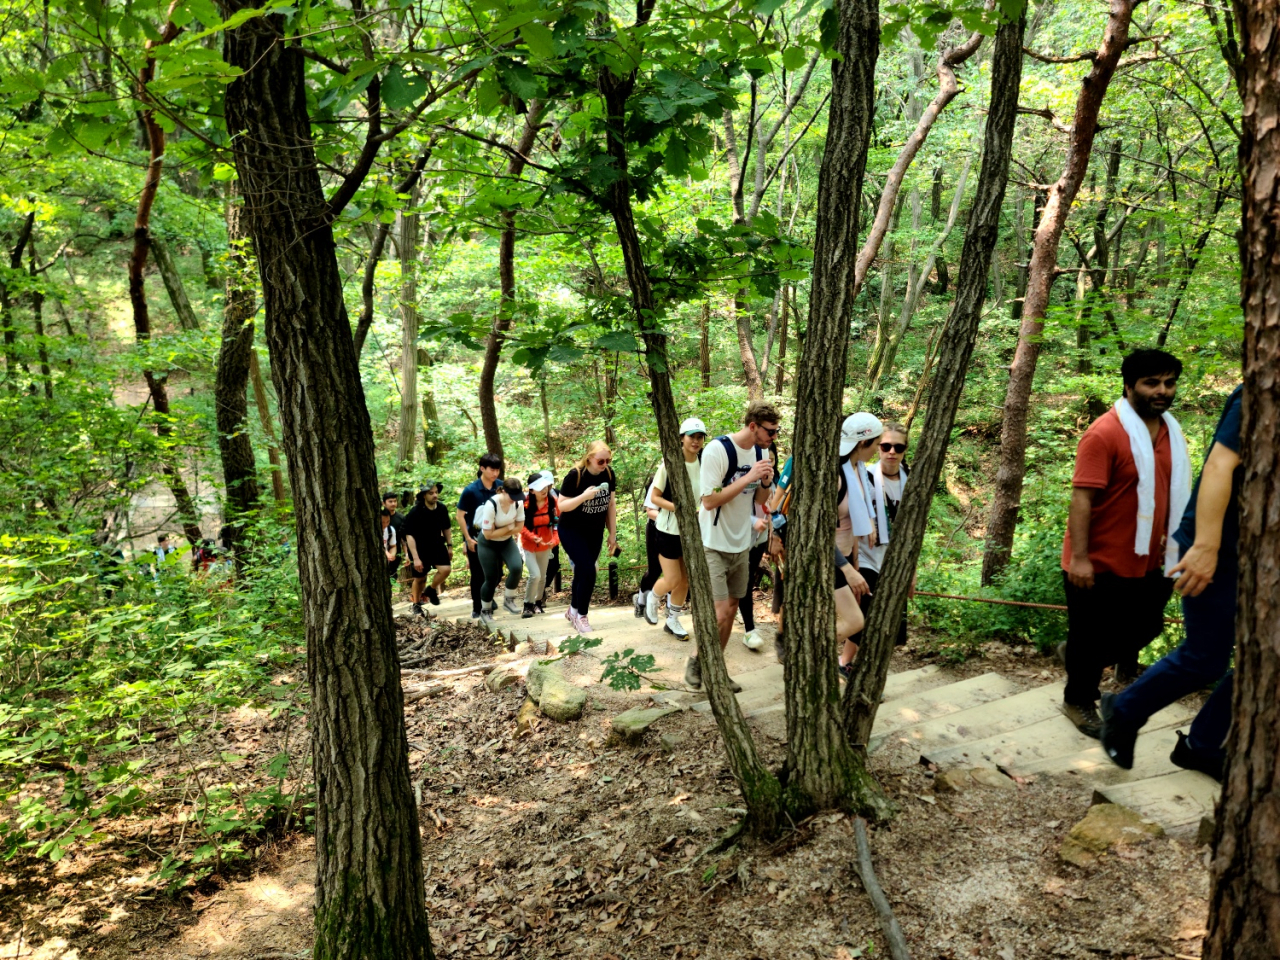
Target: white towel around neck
pixel 1144 457
pixel 882 516
pixel 859 520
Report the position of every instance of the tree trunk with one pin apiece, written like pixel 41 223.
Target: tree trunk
pixel 546 424
pixel 1040 276
pixel 37 318
pixel 507 286
pixel 370 899
pixel 407 244
pixel 782 339
pixel 263 404
pixel 820 760
pixel 187 318
pixel 230 389
pixel 761 792
pixel 704 345
pixel 1244 897
pixel 138 293
pixel 746 349
pixel 11 361
pixel 871 667
pixel 433 440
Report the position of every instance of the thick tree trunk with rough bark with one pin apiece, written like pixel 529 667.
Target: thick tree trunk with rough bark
pixel 871 668
pixel 507 286
pixel 370 899
pixel 820 761
pixel 761 791
pixel 1244 898
pixel 187 318
pixel 1041 273
pixel 230 388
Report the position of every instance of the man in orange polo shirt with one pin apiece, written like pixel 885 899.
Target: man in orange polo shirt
pixel 1116 587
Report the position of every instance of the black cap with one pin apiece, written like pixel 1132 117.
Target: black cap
pixel 431 485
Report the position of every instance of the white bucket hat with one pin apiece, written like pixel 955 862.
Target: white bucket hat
pixel 858 427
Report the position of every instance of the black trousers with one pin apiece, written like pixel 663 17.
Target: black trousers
pixel 654 570
pixel 1110 623
pixel 746 604
pixel 867 599
pixel 584 551
pixel 475 570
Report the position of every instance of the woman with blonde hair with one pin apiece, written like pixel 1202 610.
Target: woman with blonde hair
pixel 587 507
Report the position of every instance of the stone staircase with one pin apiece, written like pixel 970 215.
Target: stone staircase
pixel 982 721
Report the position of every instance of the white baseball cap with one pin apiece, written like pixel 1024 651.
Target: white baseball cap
pixel 856 428
pixel 692 425
pixel 544 480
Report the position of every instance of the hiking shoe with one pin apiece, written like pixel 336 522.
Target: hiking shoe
pixel 418 611
pixel 637 604
pixel 1117 739
pixel 486 615
pixel 432 595
pixel 779 649
pixel 1126 673
pixel 538 605
pixel 673 625
pixel 584 625
pixel 734 686
pixel 846 671
pixel 1188 758
pixel 475 614
pixel 1085 717
pixel 651 608
pixel 692 674
pixel 752 640
pixel 528 611
pixel 511 602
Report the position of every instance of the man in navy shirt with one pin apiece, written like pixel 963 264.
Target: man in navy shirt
pixel 1209 538
pixel 474 495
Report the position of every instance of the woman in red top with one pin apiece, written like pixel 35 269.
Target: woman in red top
pixel 538 538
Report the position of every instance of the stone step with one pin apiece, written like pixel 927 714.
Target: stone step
pixel 1177 801
pixel 984 720
pixel 1091 765
pixel 910 682
pixel 941 701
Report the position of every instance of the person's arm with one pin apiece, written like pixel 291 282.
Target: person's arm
pixel 658 499
pixel 1200 562
pixel 857 582
pixel 760 470
pixel 466 533
pixel 1079 567
pixel 613 522
pixel 411 542
pixel 569 504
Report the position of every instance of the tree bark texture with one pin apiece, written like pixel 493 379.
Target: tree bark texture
pixel 231 381
pixel 782 340
pixel 407 244
pixel 506 285
pixel 746 348
pixel 704 345
pixel 1244 898
pixel 820 761
pixel 261 401
pixel 370 899
pixel 1043 268
pixel 156 385
pixel 871 668
pixel 37 319
pixel 761 791
pixel 187 318
pixel 11 360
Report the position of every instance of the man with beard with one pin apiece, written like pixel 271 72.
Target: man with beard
pixel 1132 475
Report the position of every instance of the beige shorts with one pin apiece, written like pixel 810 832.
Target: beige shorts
pixel 729 574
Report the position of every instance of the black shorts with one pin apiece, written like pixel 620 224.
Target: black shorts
pixel 435 555
pixel 668 545
pixel 840 579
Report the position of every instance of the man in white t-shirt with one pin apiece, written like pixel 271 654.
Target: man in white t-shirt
pixel 729 492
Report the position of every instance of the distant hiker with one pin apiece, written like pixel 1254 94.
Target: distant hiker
pixel 887 474
pixel 473 496
pixel 1208 540
pixel 429 546
pixel 165 548
pixel 674 582
pixel 390 544
pixel 735 476
pixel 588 506
pixel 1132 481
pixel 747 605
pixel 391 503
pixel 500 518
pixel 204 556
pixel 653 566
pixel 538 538
pixel 856 515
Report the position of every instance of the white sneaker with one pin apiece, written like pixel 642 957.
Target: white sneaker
pixel 637 602
pixel 651 608
pixel 674 627
pixel 486 615
pixel 581 623
pixel 753 641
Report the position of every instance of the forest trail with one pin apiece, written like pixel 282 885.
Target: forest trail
pixel 985 721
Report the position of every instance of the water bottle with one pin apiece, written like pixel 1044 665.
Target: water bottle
pixel 602 488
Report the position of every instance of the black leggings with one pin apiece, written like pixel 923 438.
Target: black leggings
pixel 493 555
pixel 583 551
pixel 654 571
pixel 746 603
pixel 475 570
pixel 873 577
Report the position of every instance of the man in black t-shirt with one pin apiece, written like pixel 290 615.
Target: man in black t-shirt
pixel 429 544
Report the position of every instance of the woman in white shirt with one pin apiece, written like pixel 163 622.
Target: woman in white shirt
pixel 674 582
pixel 499 519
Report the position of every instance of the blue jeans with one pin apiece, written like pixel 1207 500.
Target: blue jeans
pixel 1201 659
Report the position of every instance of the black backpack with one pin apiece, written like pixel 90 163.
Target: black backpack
pixel 731 454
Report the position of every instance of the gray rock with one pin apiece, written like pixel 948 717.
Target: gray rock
pixel 670 741
pixel 1106 825
pixel 631 726
pixel 538 672
pixel 561 700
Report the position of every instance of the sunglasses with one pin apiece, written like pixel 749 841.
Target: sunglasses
pixel 771 431
pixel 603 463
pixel 893 448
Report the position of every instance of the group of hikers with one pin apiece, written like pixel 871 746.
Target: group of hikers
pixel 1137 530
pixel 742 512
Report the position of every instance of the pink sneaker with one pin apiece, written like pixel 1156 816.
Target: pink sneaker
pixel 582 625
pixel 568 614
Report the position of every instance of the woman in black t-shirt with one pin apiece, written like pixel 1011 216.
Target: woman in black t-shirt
pixel 588 506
